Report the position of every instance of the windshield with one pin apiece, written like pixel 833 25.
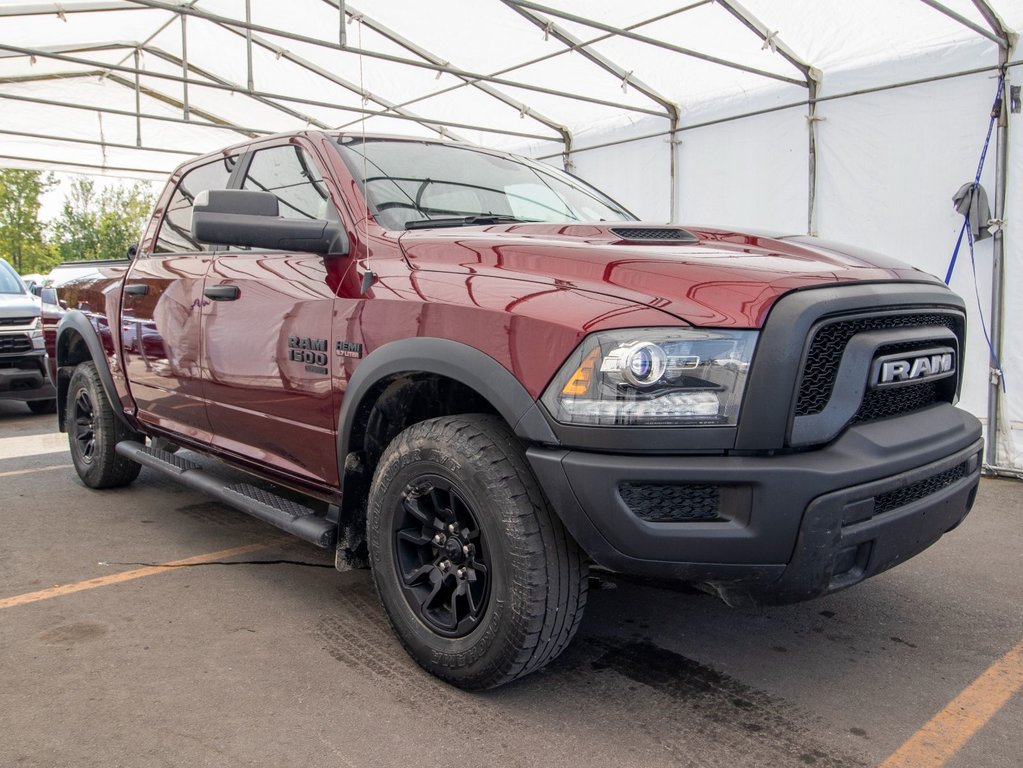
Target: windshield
pixel 413 183
pixel 9 280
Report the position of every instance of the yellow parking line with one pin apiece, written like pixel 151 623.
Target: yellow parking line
pixel 138 573
pixel 946 732
pixel 15 472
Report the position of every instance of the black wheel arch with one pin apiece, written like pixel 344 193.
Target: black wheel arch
pixel 454 377
pixel 78 342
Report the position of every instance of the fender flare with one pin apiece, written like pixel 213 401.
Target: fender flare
pixel 454 360
pixel 77 321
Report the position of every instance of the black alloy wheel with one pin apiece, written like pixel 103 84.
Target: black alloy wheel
pixel 83 425
pixel 94 430
pixel 478 577
pixel 441 557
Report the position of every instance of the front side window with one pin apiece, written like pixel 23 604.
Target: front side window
pixel 289 173
pixel 413 183
pixel 175 231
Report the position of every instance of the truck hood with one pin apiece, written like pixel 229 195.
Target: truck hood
pixel 18 305
pixel 713 278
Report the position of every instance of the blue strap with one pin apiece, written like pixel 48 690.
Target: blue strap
pixel 995 111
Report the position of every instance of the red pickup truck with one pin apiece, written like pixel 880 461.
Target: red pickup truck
pixel 483 376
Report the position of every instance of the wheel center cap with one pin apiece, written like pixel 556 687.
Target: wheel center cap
pixel 453 548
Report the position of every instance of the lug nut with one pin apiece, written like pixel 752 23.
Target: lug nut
pixel 439 540
pixel 461 573
pixel 452 528
pixel 465 549
pixel 445 565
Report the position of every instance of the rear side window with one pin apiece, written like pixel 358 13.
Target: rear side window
pixel 175 231
pixel 289 173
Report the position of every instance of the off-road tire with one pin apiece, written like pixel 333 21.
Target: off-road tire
pixel 537 574
pixel 93 432
pixel 42 406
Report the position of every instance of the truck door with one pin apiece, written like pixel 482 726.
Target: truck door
pixel 161 312
pixel 267 333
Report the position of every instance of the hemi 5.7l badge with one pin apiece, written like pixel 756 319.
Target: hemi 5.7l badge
pixel 913 367
pixel 348 349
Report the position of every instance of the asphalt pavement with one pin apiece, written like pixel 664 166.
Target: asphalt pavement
pixel 150 626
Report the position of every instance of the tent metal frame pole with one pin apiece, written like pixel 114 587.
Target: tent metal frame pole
pixel 524 110
pixel 1008 39
pixel 671 109
pixel 790 105
pixel 556 54
pixel 673 142
pixel 337 80
pixel 184 64
pixel 227 21
pixel 170 57
pixel 251 83
pixel 943 9
pixel 272 96
pixel 811 199
pixel 96 142
pixel 129 113
pixel 138 101
pixel 93 166
pixel 527 5
pixel 50 9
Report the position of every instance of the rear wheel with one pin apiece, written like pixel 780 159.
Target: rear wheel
pixel 478 577
pixel 93 432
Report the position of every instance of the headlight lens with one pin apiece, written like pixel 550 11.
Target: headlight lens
pixel 653 377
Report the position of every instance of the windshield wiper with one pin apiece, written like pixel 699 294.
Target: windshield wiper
pixel 464 221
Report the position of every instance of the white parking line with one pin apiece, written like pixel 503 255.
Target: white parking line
pixel 32 445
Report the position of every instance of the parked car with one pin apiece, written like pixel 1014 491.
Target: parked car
pixel 24 369
pixel 491 376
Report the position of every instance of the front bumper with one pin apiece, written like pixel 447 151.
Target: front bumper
pixel 786 527
pixel 25 377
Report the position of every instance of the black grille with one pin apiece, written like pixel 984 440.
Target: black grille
pixel 664 234
pixel 826 351
pixel 883 403
pixel 672 503
pixel 12 321
pixel 918 490
pixel 15 344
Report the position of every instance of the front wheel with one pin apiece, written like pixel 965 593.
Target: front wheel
pixel 478 577
pixel 93 432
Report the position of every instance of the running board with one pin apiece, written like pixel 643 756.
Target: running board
pixel 270 508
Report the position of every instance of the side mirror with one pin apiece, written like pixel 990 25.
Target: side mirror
pixel 252 219
pixel 49 296
pixel 133 251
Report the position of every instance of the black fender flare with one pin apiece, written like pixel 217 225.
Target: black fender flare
pixel 466 364
pixel 77 321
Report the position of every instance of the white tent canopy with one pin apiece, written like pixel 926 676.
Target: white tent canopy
pixel 855 121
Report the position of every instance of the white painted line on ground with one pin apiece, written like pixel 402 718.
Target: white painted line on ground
pixel 32 445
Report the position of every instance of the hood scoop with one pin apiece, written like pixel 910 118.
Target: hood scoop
pixel 654 235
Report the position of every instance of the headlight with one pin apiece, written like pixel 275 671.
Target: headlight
pixel 657 376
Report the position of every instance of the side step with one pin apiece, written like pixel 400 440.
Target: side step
pixel 268 507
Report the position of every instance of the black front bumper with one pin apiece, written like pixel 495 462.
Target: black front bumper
pixel 25 377
pixel 788 527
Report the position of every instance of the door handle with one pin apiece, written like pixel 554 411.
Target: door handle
pixel 139 289
pixel 221 292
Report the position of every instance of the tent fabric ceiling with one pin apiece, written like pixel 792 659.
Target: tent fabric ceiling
pixel 137 86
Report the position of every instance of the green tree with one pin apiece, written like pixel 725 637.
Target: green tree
pixel 101 225
pixel 22 239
